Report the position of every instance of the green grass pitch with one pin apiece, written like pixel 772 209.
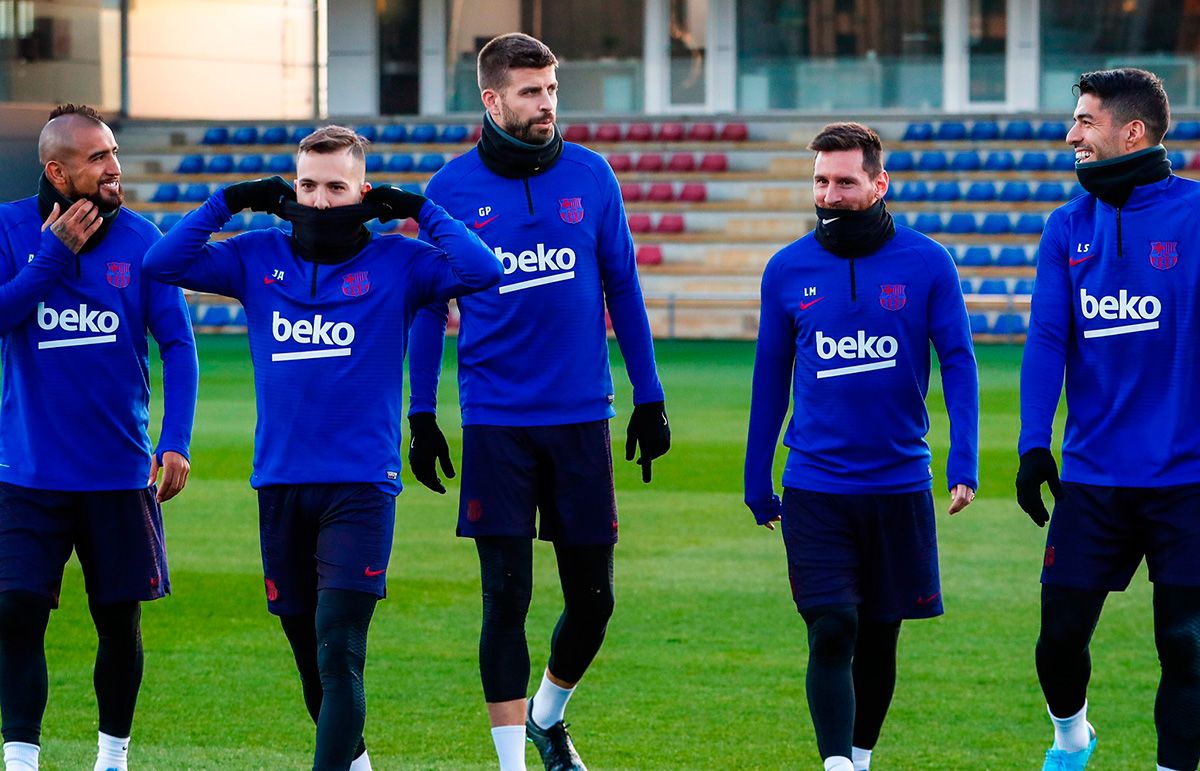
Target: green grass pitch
pixel 704 663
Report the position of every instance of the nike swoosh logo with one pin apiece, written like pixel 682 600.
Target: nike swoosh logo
pixel 373 573
pixel 1081 259
pixel 826 222
pixel 805 306
pixel 268 280
pixel 928 600
pixel 481 224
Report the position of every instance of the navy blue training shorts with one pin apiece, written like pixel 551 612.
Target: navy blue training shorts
pixel 323 536
pixel 1098 536
pixel 512 473
pixel 118 535
pixel 876 551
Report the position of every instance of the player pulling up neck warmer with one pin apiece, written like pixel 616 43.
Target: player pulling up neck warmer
pixel 329 236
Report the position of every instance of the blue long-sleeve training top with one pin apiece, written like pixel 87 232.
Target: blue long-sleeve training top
pixel 1115 311
pixel 534 350
pixel 327 341
pixel 75 408
pixel 851 337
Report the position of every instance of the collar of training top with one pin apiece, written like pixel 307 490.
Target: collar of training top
pixel 329 236
pixel 848 233
pixel 1113 180
pixel 508 156
pixel 48 195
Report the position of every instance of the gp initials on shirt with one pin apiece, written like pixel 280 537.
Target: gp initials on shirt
pixel 99 324
pixel 859 346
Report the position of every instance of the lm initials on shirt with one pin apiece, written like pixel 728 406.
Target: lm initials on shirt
pixel 860 346
pixel 99 324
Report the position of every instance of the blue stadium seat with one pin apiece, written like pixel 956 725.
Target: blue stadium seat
pixel 945 191
pixel 423 134
pixel 1029 224
pixel 244 135
pixel 375 226
pixel 985 131
pixel 190 164
pixel 220 164
pixel 239 317
pixel 216 316
pixel 1001 160
pixel 952 250
pixel 412 187
pixel 976 257
pixel 932 161
pixel 195 193
pixel 1178 160
pixel 913 191
pixel 979 323
pixel 1186 130
pixel 368 132
pixel 250 164
pixel 995 223
pixel 394 133
pixel 215 135
pixel 236 223
pixel 967 286
pixel 961 222
pixel 1035 161
pixel 1011 257
pixel 1014 192
pixel 918 132
pixel 1033 260
pixel 900 220
pixel 993 286
pixel 1076 191
pixel 1023 286
pixel 1050 191
pixel 374 163
pixel 273 135
pixel 1009 324
pixel 1018 131
pixel 431 162
pixel 169 220
pixel 981 191
pixel 261 221
pixel 1063 161
pixel 1052 131
pixel 300 132
pixel 401 163
pixel 167 193
pixel 951 131
pixel 453 134
pixel 928 222
pixel 900 160
pixel 281 164
pixel 967 160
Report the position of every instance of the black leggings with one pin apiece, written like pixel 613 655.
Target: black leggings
pixel 506 572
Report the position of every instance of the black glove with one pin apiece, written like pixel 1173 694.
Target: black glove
pixel 267 194
pixel 1037 468
pixel 427 444
pixel 648 427
pixel 394 203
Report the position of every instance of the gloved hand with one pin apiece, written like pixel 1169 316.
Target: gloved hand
pixel 427 444
pixel 267 194
pixel 648 428
pixel 394 203
pixel 1037 468
pixel 766 512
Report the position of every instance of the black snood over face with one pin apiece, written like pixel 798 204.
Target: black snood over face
pixel 48 195
pixel 329 236
pixel 509 157
pixel 1114 179
pixel 849 233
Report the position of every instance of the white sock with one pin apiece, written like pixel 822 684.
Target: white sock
pixel 19 756
pixel 838 763
pixel 861 758
pixel 361 763
pixel 112 753
pixel 1071 733
pixel 510 746
pixel 1163 768
pixel 550 702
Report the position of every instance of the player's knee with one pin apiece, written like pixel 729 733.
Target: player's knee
pixel 1179 648
pixel 1068 619
pixel 506 598
pixel 118 623
pixel 23 614
pixel 832 631
pixel 594 604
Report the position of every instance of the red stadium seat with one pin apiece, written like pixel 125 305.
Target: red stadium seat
pixel 639 223
pixel 607 132
pixel 1195 162
pixel 476 132
pixel 649 255
pixel 735 132
pixel 661 192
pixel 694 192
pixel 670 223
pixel 649 162
pixel 670 132
pixel 631 192
pixel 639 132
pixel 579 132
pixel 713 162
pixel 620 163
pixel 409 226
pixel 702 132
pixel 682 162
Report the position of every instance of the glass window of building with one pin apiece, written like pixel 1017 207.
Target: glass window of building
pixel 64 51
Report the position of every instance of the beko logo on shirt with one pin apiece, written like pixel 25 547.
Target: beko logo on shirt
pixel 536 261
pixel 859 346
pixel 99 325
pixel 1140 309
pixel 316 331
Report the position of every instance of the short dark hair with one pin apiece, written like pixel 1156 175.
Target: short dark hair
pixel 849 136
pixel 1130 94
pixel 514 51
pixel 82 110
pixel 334 139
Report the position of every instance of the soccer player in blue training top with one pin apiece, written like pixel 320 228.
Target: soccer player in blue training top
pixel 327 307
pixel 536 389
pixel 848 313
pixel 1115 309
pixel 77 468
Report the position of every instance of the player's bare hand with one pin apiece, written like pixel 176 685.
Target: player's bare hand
pixel 77 224
pixel 771 524
pixel 54 212
pixel 960 498
pixel 175 469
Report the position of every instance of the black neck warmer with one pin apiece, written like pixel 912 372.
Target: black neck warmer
pixel 509 157
pixel 329 236
pixel 48 195
pixel 849 233
pixel 1113 180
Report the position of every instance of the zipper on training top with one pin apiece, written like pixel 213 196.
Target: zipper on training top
pixel 77 272
pixel 314 280
pixel 1120 248
pixel 528 195
pixel 853 289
